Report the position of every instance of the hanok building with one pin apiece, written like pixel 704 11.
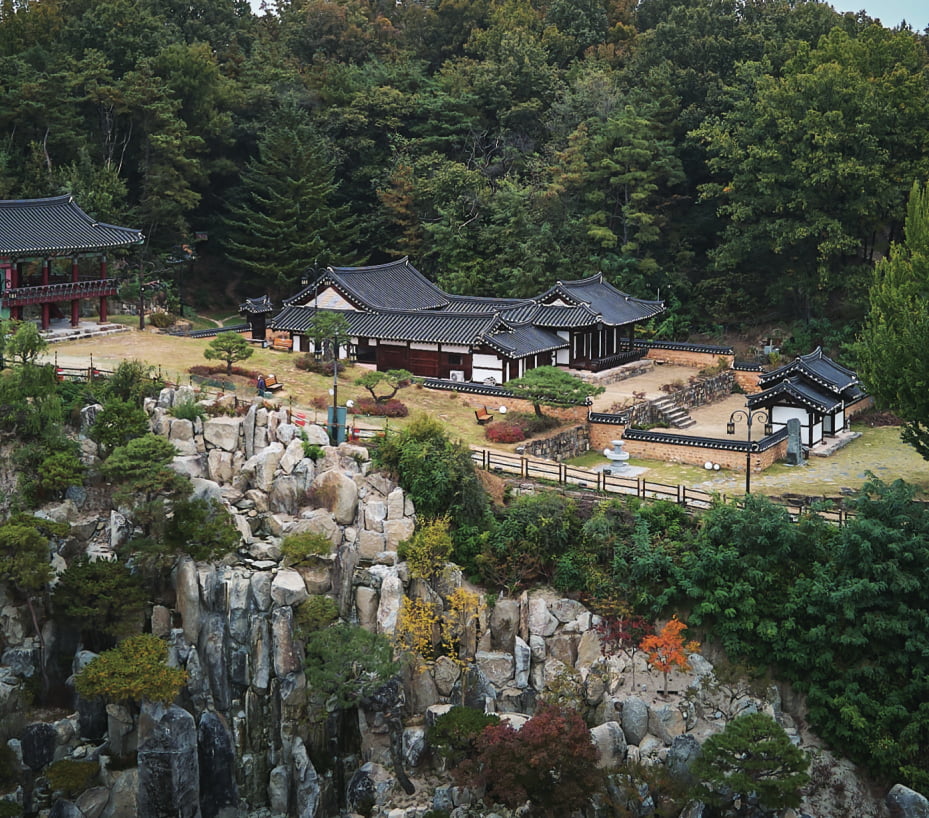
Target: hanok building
pixel 42 243
pixel 815 390
pixel 398 319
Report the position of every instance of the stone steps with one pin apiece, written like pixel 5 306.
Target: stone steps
pixel 675 415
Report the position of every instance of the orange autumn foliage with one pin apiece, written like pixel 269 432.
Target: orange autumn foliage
pixel 667 649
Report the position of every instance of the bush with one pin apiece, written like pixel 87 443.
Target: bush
pixel 428 549
pixel 308 363
pixel 312 450
pixel 71 777
pixel 187 410
pixel 388 409
pixel 454 733
pixel 134 670
pixel 297 548
pixel 502 431
pixel 314 614
pixel 161 320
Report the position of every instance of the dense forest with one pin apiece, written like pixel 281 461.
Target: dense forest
pixel 743 160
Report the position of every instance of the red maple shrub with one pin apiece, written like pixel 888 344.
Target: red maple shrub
pixel 500 431
pixel 551 762
pixel 389 409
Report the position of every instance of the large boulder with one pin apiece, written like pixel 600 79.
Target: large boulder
pixel 169 768
pixel 216 755
pixel 288 587
pixel 38 745
pixel 610 742
pixel 635 720
pixel 222 433
pixel 306 783
pixel 902 802
pixel 338 493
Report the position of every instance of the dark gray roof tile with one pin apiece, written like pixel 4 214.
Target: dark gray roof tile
pixel 53 226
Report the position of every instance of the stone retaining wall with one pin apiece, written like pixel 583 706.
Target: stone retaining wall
pixel 562 446
pixel 688 357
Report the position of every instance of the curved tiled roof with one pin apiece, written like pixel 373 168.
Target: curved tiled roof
pixel 520 340
pixel 256 305
pixel 819 368
pixel 397 285
pixel 609 305
pixel 806 394
pixel 30 227
pixel 479 304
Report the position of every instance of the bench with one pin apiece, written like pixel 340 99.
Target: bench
pixel 271 383
pixel 283 344
pixel 482 416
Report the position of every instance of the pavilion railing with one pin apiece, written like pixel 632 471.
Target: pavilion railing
pixel 62 291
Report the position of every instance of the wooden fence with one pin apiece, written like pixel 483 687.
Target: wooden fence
pixel 603 482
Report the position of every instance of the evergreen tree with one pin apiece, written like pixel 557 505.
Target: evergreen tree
pixel 287 219
pixel 892 359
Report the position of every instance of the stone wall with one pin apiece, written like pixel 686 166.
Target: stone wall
pixel 698 455
pixel 562 446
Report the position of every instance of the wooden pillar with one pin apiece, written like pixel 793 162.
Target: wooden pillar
pixel 103 315
pixel 75 302
pixel 46 307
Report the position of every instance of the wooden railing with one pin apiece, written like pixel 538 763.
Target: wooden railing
pixel 62 291
pixel 606 482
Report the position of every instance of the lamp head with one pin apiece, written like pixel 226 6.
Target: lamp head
pixel 730 427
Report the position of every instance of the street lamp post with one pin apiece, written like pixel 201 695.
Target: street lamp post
pixel 748 416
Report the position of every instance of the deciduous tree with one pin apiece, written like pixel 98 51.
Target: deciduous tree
pixel 667 649
pixel 393 379
pixel 550 761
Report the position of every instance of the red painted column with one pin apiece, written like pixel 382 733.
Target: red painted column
pixel 75 302
pixel 46 318
pixel 103 316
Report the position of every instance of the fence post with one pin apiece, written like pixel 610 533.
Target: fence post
pixel 641 487
pixel 523 467
pixel 562 479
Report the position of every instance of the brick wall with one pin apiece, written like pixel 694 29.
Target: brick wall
pixel 685 357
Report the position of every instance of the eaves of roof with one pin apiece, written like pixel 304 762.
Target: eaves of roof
pixel 56 225
pixel 805 394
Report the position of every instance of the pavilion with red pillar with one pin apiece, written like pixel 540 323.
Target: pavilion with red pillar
pixel 42 245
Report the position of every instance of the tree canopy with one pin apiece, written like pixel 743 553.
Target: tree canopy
pixel 746 159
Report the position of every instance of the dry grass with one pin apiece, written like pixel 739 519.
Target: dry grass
pixel 173 356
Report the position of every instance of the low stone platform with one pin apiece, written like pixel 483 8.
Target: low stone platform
pixel 62 330
pixel 831 445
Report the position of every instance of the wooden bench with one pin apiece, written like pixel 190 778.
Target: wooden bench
pixel 483 416
pixel 271 383
pixel 283 344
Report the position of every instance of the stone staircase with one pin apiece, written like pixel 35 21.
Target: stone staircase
pixel 675 415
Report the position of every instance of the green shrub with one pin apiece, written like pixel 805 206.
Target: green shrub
pixel 453 735
pixel 162 320
pixel 188 410
pixel 134 670
pixel 312 450
pixel 10 809
pixel 314 614
pixel 71 777
pixel 428 549
pixel 297 548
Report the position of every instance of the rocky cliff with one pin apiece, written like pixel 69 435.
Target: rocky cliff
pixel 240 739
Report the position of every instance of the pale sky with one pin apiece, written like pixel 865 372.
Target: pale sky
pixel 890 12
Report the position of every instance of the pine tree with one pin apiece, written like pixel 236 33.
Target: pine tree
pixel 892 359
pixel 287 219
